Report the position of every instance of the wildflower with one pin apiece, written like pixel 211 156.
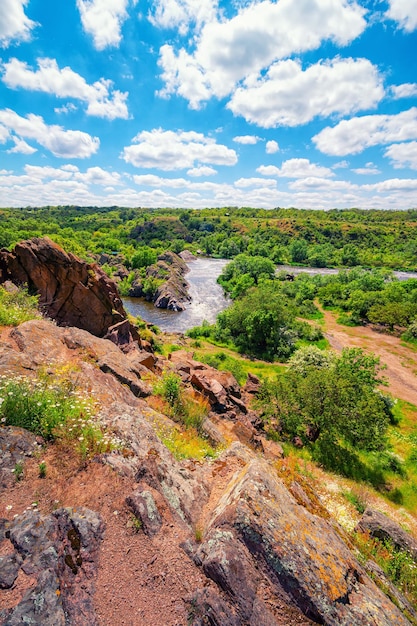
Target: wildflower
pixel 9 507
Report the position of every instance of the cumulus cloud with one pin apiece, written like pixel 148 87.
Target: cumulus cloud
pixel 203 170
pixel 246 139
pixel 229 50
pixel 271 147
pixel 244 183
pixel 66 108
pixel 14 23
pixel 73 144
pixel 295 168
pixel 65 83
pixel 370 168
pixel 179 14
pixel 354 135
pixel 103 20
pixel 314 182
pixel 169 150
pixel 21 147
pixel 406 90
pixel 403 155
pixel 404 12
pixel 393 184
pixel 289 96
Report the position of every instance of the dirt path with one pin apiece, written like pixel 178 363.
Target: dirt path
pixel 400 361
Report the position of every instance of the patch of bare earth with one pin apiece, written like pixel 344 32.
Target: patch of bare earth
pixel 400 361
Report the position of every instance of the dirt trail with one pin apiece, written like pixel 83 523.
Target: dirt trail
pixel 400 361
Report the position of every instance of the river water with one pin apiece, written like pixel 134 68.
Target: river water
pixel 207 299
pixel 207 296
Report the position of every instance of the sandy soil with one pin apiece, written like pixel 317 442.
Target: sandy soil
pixel 400 360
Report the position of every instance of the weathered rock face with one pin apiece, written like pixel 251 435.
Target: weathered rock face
pixel 61 552
pixel 258 533
pixel 72 292
pixel 173 292
pixel 16 444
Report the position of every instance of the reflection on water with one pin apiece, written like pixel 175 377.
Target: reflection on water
pixel 207 299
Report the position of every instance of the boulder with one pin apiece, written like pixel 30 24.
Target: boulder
pixel 173 292
pixel 300 554
pixel 143 506
pixel 382 527
pixel 61 552
pixel 72 292
pixel 16 444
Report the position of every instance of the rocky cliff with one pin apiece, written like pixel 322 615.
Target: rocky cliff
pixel 72 292
pixel 220 542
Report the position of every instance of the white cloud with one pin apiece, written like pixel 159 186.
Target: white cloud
pixel 228 51
pixel 271 147
pixel 179 14
pixel 393 184
pixel 21 147
pixel 404 12
pixel 406 90
pixel 103 19
pixel 48 172
pixel 4 134
pixel 98 176
pixel 369 169
pixel 246 139
pixel 73 144
pixel 66 108
pixel 314 182
pixel 169 150
pixel 295 168
pixel 150 180
pixel 65 83
pixel 204 170
pixel 14 23
pixel 403 155
pixel 354 135
pixel 289 96
pixel 244 183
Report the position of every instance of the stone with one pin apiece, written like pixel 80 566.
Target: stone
pixel 16 445
pixel 382 527
pixel 71 292
pixel 9 569
pixel 61 552
pixel 305 556
pixel 253 384
pixel 143 506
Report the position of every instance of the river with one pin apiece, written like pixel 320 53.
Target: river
pixel 207 296
pixel 207 299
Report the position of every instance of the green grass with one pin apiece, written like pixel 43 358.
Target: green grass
pixel 52 407
pixel 18 307
pixel 187 444
pixel 232 361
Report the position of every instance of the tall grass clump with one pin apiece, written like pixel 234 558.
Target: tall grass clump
pixel 17 307
pixel 54 409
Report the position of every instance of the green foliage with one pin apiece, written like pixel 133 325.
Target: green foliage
pixel 244 272
pixel 331 403
pixel 42 469
pixel 143 257
pixel 19 471
pixel 261 323
pixel 17 307
pixel 398 565
pixel 169 387
pixel 226 363
pixel 54 409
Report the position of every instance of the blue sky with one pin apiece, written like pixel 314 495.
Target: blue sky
pixel 195 103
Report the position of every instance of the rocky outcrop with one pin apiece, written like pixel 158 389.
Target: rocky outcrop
pixel 60 551
pixel 172 293
pixel 72 292
pixel 16 445
pixel 260 538
pixel 382 527
pixel 262 555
